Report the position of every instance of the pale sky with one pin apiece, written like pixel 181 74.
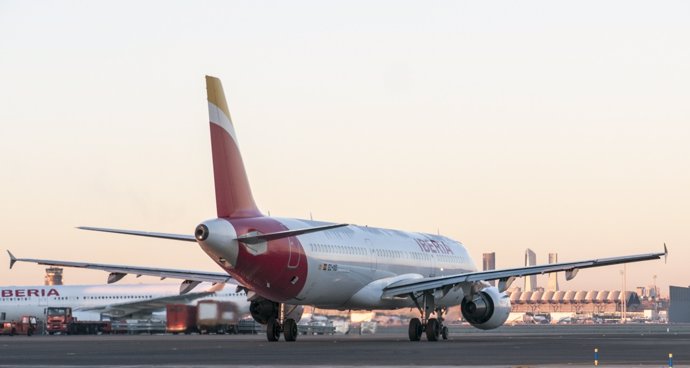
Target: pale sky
pixel 559 126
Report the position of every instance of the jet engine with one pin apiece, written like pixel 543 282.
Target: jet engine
pixel 263 309
pixel 487 309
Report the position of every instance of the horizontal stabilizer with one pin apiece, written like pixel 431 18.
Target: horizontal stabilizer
pixel 181 237
pixel 255 238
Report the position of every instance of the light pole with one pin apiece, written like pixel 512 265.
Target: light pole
pixel 624 296
pixel 656 297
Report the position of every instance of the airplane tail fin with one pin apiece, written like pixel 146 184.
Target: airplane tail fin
pixel 233 195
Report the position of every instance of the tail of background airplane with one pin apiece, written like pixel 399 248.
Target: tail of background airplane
pixel 233 195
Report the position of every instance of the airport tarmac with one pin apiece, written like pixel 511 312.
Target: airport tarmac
pixel 520 346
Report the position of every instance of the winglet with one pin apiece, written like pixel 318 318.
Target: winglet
pixel 13 259
pixel 665 253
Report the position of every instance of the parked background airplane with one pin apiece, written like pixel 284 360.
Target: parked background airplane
pixel 285 261
pixel 90 302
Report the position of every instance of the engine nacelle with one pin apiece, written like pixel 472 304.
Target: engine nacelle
pixel 486 310
pixel 263 309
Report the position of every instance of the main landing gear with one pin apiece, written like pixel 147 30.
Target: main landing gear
pixel 288 327
pixel 433 327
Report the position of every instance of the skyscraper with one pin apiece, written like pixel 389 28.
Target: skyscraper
pixel 530 260
pixel 489 263
pixel 553 276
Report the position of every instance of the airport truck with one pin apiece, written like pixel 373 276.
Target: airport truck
pixel 217 317
pixel 208 316
pixel 60 320
pixel 181 318
pixel 26 326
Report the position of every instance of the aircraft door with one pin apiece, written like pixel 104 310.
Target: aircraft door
pixel 372 254
pixel 295 255
pixel 433 271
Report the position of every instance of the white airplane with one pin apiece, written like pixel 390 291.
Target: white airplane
pixel 90 302
pixel 334 266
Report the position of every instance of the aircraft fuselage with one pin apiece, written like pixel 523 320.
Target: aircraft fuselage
pixel 329 269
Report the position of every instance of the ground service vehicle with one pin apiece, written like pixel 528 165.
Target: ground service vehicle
pixel 208 316
pixel 181 318
pixel 27 325
pixel 217 317
pixel 61 320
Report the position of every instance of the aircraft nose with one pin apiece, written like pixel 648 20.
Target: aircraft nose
pixel 217 238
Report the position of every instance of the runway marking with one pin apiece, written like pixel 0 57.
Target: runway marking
pixel 339 366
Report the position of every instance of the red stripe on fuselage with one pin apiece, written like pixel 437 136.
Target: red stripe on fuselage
pixel 273 274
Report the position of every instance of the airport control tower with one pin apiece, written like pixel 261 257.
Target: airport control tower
pixel 53 276
pixel 530 260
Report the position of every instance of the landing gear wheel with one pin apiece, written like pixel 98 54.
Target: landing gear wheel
pixel 290 329
pixel 415 329
pixel 444 332
pixel 273 330
pixel 432 329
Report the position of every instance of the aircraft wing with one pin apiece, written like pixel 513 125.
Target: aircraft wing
pixel 117 272
pixel 145 306
pixel 506 276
